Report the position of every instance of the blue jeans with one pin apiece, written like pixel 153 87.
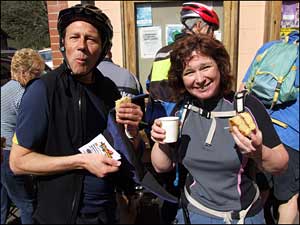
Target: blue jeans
pixel 14 188
pixel 5 204
pixel 201 219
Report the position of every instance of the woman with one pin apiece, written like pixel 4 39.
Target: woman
pixel 218 188
pixel 26 65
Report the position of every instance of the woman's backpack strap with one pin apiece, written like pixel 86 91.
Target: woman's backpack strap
pixel 239 101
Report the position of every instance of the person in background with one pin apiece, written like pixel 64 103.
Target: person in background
pixel 196 18
pixel 26 65
pixel 285 186
pixel 3 144
pixel 126 82
pixel 217 189
pixel 64 110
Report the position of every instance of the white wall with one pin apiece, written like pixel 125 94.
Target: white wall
pixel 251 33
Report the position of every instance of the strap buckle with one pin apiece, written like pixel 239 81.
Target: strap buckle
pixel 206 114
pixel 235 215
pixel 239 104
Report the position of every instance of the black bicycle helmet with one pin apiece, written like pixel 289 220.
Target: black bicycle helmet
pixel 92 15
pixel 197 10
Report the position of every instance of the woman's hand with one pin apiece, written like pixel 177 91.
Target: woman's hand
pixel 158 134
pixel 248 146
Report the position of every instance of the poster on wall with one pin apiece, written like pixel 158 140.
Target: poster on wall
pixel 144 15
pixel 290 14
pixel 150 41
pixel 171 31
pixel 290 17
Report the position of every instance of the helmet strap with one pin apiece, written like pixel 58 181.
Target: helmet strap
pixel 203 24
pixel 209 30
pixel 194 22
pixel 190 23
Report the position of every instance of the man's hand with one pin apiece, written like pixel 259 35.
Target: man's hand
pixel 130 115
pixel 99 165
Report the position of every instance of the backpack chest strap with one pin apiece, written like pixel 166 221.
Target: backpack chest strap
pixel 226 216
pixel 211 115
pixel 239 106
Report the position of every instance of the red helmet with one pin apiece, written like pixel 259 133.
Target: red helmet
pixel 197 10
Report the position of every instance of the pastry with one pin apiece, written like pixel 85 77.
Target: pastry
pixel 244 123
pixel 125 99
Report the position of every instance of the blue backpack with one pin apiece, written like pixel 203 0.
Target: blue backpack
pixel 273 73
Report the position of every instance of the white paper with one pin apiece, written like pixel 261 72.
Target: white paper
pixel 101 146
pixel 150 41
pixel 288 17
pixel 218 35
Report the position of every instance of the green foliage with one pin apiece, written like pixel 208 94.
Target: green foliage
pixel 26 22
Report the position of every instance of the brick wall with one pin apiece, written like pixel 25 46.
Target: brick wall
pixel 53 9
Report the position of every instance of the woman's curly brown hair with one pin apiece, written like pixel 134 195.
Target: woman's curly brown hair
pixel 26 65
pixel 205 45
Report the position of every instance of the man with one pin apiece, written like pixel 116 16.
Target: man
pixel 286 124
pixel 196 18
pixel 26 65
pixel 63 111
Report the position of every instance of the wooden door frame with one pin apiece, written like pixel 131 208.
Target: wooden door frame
pixel 230 37
pixel 272 20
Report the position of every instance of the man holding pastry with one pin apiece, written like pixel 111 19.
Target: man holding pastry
pixel 63 111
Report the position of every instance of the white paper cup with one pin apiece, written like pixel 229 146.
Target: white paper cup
pixel 171 125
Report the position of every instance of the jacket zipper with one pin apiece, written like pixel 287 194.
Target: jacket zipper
pixel 80 115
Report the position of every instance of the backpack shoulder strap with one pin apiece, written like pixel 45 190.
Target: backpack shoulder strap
pixel 292 37
pixel 239 101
